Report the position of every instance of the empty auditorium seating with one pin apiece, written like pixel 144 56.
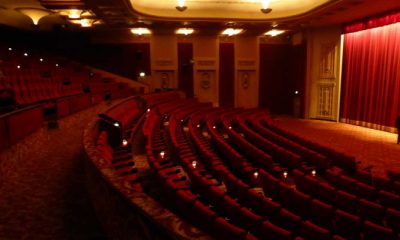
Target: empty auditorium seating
pixel 220 173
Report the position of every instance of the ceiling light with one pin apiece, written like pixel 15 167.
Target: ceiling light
pixel 86 22
pixel 274 32
pixel 181 6
pixel 265 6
pixel 184 31
pixel 140 31
pixel 232 31
pixel 34 13
pixel 74 14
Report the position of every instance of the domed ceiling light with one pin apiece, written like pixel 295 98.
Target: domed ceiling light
pixel 265 6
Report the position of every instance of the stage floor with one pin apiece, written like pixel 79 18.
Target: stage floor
pixel 370 146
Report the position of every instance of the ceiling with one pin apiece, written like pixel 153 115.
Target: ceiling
pixel 208 15
pixel 225 9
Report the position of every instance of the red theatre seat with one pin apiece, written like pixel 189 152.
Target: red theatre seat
pixel 24 122
pixel 4 139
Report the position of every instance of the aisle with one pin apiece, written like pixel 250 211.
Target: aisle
pixel 42 185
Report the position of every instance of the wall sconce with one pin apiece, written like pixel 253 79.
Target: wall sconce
pixel 232 31
pixel 274 32
pixel 265 6
pixel 181 6
pixel 140 31
pixel 184 31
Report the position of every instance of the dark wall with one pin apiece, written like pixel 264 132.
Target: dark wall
pixel 226 74
pixel 124 59
pixel 282 72
pixel 185 68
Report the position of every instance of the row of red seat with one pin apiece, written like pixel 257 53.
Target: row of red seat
pixel 29 79
pixel 121 160
pixel 209 178
pixel 375 202
pixel 342 160
pixel 318 160
pixel 253 223
pixel 352 179
pixel 299 198
pixel 317 200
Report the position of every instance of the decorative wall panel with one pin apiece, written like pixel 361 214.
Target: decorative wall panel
pixel 327 61
pixel 325 100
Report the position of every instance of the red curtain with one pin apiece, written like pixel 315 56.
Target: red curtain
pixel 371 76
pixel 373 22
pixel 185 68
pixel 226 74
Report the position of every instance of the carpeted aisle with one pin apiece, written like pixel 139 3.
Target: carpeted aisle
pixel 42 185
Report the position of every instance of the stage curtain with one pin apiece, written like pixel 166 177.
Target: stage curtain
pixel 185 68
pixel 226 74
pixel 371 76
pixel 373 22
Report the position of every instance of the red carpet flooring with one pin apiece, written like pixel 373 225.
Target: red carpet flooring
pixel 42 191
pixel 371 147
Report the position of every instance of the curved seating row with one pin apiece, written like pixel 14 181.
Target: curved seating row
pixel 236 175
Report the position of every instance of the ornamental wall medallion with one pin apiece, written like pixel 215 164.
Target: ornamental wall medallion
pixel 205 81
pixel 245 80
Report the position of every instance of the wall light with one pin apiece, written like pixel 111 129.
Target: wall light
pixel 140 31
pixel 184 31
pixel 232 31
pixel 274 32
pixel 142 74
